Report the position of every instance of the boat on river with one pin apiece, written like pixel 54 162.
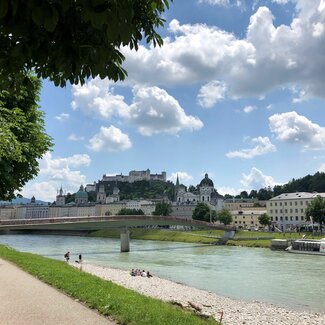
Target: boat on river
pixel 308 246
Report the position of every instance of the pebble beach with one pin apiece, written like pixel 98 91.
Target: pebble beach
pixel 235 312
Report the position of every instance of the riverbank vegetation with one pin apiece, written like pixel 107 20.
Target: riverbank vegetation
pixel 123 305
pixel 242 238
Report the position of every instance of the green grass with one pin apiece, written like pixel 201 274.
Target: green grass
pixel 123 305
pixel 242 238
pixel 159 234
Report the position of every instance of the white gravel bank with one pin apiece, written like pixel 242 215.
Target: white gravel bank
pixel 235 312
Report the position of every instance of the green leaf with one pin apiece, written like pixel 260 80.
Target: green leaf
pixel 3 8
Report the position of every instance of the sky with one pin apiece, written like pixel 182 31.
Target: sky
pixel 236 91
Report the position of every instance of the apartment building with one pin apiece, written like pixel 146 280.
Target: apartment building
pixel 287 210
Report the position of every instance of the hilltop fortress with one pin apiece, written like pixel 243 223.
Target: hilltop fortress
pixel 134 176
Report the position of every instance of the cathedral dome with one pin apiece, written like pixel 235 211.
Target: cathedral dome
pixel 81 194
pixel 206 181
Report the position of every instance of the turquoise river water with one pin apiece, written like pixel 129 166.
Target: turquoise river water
pixel 289 280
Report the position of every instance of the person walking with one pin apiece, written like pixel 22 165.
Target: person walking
pixel 67 256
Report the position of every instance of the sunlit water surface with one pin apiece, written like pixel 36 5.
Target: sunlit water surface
pixel 289 280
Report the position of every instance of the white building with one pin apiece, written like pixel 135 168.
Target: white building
pixel 7 212
pixel 247 218
pixel 287 210
pixel 206 194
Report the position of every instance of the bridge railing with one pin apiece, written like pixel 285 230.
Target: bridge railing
pixel 61 220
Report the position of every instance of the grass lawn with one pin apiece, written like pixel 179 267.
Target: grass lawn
pixel 242 238
pixel 123 305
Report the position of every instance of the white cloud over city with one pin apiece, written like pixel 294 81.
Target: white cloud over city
pixel 152 110
pixel 57 172
pixel 262 146
pixel 256 180
pixel 183 177
pixel 268 57
pixel 155 111
pixel 110 139
pixel 291 127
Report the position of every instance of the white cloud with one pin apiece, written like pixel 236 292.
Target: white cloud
pixel 155 111
pixel 256 180
pixel 294 128
pixel 263 146
pixel 249 109
pixel 54 173
pixel 183 177
pixel 280 2
pixel 223 3
pixel 268 57
pixel 211 93
pixel 110 139
pixel 73 137
pixel 322 168
pixel 152 110
pixel 62 117
pixel 223 190
pixel 96 98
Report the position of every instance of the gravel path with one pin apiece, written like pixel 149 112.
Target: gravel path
pixel 235 312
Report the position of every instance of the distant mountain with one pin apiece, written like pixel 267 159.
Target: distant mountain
pixel 21 200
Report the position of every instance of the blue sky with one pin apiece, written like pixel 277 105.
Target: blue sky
pixel 237 91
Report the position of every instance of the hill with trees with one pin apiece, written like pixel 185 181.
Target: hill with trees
pixel 309 183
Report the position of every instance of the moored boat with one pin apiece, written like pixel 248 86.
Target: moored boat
pixel 308 246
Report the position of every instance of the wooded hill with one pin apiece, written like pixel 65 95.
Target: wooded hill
pixel 309 183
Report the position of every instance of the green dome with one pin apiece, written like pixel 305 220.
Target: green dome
pixel 206 181
pixel 81 194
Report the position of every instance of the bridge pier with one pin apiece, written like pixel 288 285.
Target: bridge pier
pixel 125 240
pixel 230 234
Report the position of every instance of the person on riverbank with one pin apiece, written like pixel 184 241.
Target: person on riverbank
pixel 67 256
pixel 149 275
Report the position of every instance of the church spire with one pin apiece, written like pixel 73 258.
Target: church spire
pixel 177 181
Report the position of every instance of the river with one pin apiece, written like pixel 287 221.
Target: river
pixel 289 280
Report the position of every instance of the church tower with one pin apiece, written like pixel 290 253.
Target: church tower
pixel 101 194
pixel 60 198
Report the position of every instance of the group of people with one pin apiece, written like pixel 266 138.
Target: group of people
pixel 138 272
pixel 67 257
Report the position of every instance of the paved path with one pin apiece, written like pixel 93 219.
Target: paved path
pixel 25 300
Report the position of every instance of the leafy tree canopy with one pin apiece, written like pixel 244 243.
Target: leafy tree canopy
pixel 316 210
pixel 22 136
pixel 163 209
pixel 264 219
pixel 73 40
pixel 202 212
pixel 224 216
pixel 130 212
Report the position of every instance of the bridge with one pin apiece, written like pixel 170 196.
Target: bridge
pixel 123 223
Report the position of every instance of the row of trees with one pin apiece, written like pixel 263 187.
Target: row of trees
pixel 309 183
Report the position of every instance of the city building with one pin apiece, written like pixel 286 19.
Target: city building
pixel 7 212
pixel 287 210
pixel 183 210
pixel 247 218
pixel 239 204
pixel 206 194
pixel 81 196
